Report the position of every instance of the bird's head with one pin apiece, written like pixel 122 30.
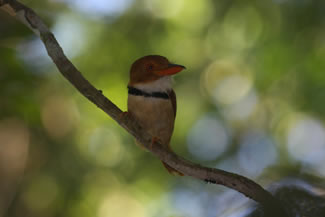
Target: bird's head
pixel 151 68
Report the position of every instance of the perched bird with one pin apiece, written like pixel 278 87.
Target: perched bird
pixel 151 99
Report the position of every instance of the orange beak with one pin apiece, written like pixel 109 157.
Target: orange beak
pixel 171 69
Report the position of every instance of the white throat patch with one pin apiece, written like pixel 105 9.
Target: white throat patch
pixel 161 85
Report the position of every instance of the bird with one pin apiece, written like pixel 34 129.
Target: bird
pixel 152 100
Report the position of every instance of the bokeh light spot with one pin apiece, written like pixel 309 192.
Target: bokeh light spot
pixel 59 115
pixel 243 108
pixel 73 41
pixel 120 204
pixel 102 146
pixel 33 53
pixel 240 30
pixel 257 151
pixel 46 188
pixel 14 141
pixel 164 9
pixel 188 202
pixel 14 144
pixel 226 82
pixel 231 89
pixel 242 26
pixel 105 147
pixel 306 141
pixel 99 8
pixel 208 138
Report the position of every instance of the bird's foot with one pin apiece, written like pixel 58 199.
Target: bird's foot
pixel 153 141
pixel 124 115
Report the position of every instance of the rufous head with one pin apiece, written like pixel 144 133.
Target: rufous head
pixel 151 68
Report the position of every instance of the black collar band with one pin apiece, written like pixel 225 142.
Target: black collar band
pixel 137 92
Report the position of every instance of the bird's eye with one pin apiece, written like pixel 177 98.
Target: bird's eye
pixel 150 67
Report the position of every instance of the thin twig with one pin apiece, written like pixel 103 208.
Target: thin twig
pixel 239 183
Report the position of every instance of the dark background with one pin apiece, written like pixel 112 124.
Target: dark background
pixel 251 101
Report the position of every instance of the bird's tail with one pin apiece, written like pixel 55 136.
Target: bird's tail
pixel 170 169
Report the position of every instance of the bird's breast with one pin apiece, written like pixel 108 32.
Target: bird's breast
pixel 156 115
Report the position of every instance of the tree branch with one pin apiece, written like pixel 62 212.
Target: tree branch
pixel 239 183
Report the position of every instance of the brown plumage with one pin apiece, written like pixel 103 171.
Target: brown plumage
pixel 151 99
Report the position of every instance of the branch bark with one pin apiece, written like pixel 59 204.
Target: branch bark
pixel 211 175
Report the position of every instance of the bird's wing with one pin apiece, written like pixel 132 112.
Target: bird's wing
pixel 172 97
